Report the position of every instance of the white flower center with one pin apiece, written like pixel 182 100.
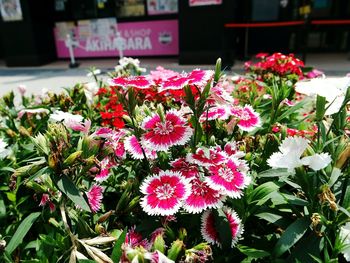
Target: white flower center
pixel 245 116
pixel 227 174
pixel 164 128
pixel 164 191
pixel 198 189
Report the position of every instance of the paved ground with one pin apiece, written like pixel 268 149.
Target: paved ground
pixel 56 75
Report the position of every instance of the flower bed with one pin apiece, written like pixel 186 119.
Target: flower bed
pixel 179 167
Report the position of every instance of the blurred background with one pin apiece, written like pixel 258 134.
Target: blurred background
pixel 37 32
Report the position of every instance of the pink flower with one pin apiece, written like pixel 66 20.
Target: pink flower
pixel 186 169
pixel 261 55
pixel 109 134
pixel 228 178
pixel 209 232
pixel 134 239
pixel 202 197
pixel 138 82
pixel 161 74
pixel 288 102
pixel 79 126
pixel 95 196
pixel 161 135
pixel 248 118
pixel 174 83
pixel 232 151
pixel 164 193
pixel 133 146
pixel 45 199
pixel 22 89
pixel 105 165
pixel 200 77
pixel 197 77
pixel 207 157
pixel 214 113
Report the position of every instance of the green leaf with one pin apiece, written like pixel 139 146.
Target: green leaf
pixel 261 191
pixel 269 217
pixel 86 261
pixel 71 191
pixel 21 231
pixel 2 208
pixel 7 169
pixel 117 250
pixel 291 199
pixel 291 236
pixel 279 172
pixel 320 107
pixel 291 110
pixel 253 252
pixel 334 176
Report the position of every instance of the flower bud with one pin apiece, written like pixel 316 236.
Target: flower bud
pixel 159 243
pixel 72 158
pixel 175 249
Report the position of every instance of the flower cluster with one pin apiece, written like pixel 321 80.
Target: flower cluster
pixel 276 63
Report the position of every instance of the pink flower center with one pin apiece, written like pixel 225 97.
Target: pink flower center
pixel 227 174
pixel 164 128
pixel 164 191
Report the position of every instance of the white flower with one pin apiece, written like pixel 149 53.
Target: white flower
pixel 318 161
pixel 67 118
pixel 3 151
pixel 90 90
pixel 333 89
pixel 289 156
pixel 345 237
pixel 32 111
pixel 94 72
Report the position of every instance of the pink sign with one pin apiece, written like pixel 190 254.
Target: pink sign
pixel 204 2
pixel 148 38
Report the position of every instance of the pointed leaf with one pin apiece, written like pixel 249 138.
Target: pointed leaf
pixel 117 250
pixel 291 236
pixel 253 252
pixel 67 187
pixel 21 231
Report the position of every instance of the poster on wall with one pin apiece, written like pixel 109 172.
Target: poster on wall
pixel 10 10
pixel 63 29
pixel 204 2
pixel 147 38
pixel 160 7
pixel 129 8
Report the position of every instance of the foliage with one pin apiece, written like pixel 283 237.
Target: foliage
pixel 185 167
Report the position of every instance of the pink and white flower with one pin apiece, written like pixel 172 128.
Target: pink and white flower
pixel 217 112
pixel 105 165
pixel 161 135
pixel 95 196
pixel 248 119
pixel 202 197
pixel 138 82
pixel 164 193
pixel 207 157
pixel 228 178
pixel 196 77
pixel 186 169
pixel 133 147
pixel 209 232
